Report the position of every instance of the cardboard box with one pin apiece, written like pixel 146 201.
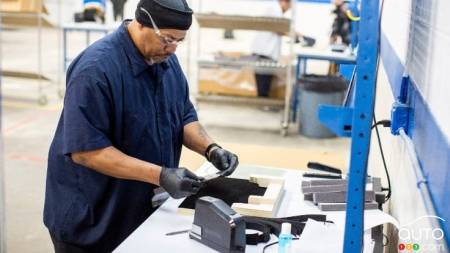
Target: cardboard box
pixel 23 6
pixel 221 81
pixel 234 81
pixel 13 10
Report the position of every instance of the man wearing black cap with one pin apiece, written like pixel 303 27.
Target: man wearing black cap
pixel 126 116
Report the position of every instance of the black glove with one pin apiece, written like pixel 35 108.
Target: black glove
pixel 179 182
pixel 223 160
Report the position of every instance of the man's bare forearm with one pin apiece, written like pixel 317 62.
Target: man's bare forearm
pixel 196 138
pixel 112 162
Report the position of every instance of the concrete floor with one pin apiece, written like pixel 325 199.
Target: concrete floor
pixel 29 128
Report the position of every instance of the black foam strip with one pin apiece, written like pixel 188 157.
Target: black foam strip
pixel 230 190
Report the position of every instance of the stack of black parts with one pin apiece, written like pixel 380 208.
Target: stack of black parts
pixel 329 190
pixel 331 194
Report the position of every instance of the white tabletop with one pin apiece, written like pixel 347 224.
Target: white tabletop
pixel 151 235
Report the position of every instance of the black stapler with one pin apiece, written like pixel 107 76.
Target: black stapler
pixel 218 226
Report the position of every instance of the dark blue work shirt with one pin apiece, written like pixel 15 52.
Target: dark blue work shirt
pixel 113 98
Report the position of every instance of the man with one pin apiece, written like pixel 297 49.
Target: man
pixel 126 116
pixel 267 45
pixel 341 29
pixel 93 11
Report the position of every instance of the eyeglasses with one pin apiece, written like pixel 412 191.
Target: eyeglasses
pixel 166 40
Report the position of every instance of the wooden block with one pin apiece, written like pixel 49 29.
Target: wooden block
pixel 259 210
pixel 270 196
pixel 264 181
pixel 186 211
pixel 273 191
pixel 262 206
pixel 256 200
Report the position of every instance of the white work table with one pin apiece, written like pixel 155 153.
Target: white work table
pixel 151 235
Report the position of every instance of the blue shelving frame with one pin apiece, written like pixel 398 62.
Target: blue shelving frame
pixel 354 120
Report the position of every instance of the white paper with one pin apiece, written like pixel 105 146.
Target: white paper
pixel 369 244
pixel 372 218
pixel 318 237
pixel 322 237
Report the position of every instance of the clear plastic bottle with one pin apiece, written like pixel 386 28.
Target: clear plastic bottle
pixel 285 239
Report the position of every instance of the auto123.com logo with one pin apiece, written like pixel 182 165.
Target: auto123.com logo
pixel 421 238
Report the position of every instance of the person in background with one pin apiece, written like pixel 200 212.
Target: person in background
pixel 341 29
pixel 267 45
pixel 94 10
pixel 341 35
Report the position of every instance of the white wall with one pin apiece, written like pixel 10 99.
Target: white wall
pixel 407 203
pixel 433 71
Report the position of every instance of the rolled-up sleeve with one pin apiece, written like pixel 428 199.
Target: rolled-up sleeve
pixel 86 115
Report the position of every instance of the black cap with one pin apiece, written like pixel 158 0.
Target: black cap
pixel 167 14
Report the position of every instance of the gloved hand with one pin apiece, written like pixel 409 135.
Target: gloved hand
pixel 224 160
pixel 179 182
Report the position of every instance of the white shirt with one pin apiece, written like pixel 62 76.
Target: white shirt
pixel 269 43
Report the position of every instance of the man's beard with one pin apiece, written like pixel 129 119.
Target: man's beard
pixel 159 59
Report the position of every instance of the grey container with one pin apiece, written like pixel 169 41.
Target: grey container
pixel 314 91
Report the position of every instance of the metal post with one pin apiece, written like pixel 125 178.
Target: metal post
pixel 39 57
pixel 64 31
pixel 2 173
pixel 197 78
pixel 88 38
pixel 61 61
pixel 289 74
pixel 2 197
pixel 361 124
pixel 188 52
pixel 2 194
pixel 295 90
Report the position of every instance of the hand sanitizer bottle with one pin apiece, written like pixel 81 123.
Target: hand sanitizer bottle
pixel 285 238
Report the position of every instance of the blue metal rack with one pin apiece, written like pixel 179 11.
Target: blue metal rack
pixel 354 120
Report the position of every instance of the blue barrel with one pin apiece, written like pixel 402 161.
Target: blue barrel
pixel 314 91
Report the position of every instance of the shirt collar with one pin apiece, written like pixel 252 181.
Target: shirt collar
pixel 137 61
